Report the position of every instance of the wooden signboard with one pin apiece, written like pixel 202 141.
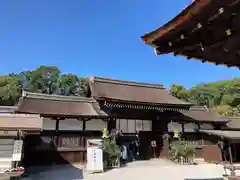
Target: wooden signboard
pixel 154 143
pixel 94 155
pixel 17 150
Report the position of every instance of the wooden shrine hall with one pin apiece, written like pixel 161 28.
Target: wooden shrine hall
pixel 207 30
pixel 142 109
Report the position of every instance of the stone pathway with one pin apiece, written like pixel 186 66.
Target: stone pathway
pixel 143 170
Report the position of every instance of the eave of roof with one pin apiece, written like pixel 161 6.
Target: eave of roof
pixel 59 106
pixel 194 8
pixel 194 21
pixel 7 109
pixel 231 135
pixel 233 124
pixel 202 114
pixel 13 121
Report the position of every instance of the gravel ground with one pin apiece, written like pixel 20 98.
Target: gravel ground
pixel 154 169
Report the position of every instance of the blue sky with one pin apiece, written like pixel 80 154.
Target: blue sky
pixel 102 38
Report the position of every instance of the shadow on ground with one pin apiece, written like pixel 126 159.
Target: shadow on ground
pixel 55 172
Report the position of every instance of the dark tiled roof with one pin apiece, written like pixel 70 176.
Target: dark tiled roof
pixel 201 113
pixel 56 105
pixel 233 135
pixel 133 92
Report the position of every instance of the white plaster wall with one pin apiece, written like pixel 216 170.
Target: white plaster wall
pixel 206 126
pixel 96 124
pixel 147 125
pixel 174 125
pixel 71 125
pixel 49 124
pixel 190 127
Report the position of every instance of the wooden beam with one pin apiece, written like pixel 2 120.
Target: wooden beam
pixel 230 153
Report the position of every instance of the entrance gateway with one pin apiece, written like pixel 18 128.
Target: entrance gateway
pixel 137 109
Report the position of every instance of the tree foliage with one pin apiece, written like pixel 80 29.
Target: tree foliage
pixel 10 89
pixel 222 97
pixel 45 79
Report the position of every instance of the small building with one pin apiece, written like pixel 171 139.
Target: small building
pixel 229 135
pixel 15 127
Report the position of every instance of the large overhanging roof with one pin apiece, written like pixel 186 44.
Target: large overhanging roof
pixel 207 30
pixel 129 94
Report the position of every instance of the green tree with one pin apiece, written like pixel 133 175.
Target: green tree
pixel 42 80
pixel 222 97
pixel 10 90
pixel 68 85
pixel 179 92
pixel 84 89
pixel 204 95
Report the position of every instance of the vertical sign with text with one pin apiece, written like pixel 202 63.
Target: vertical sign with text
pixel 17 150
pixel 94 155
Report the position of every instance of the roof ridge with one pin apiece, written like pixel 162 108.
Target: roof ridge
pixel 125 82
pixel 56 97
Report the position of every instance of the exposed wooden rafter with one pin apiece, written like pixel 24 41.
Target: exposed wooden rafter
pixel 224 25
pixel 203 27
pixel 142 106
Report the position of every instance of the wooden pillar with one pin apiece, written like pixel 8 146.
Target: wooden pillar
pixel 183 130
pixel 199 126
pixel 84 124
pixel 221 147
pixel 56 137
pixel 57 124
pixel 230 153
pixel 234 152
pixel 111 124
pixel 166 145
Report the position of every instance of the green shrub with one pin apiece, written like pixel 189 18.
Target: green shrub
pixel 111 151
pixel 180 148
